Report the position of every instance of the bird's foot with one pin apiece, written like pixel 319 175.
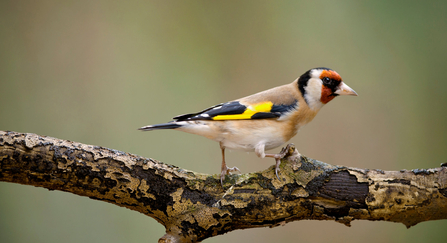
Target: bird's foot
pixel 287 150
pixel 227 171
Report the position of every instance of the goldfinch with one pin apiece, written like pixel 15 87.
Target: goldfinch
pixel 264 120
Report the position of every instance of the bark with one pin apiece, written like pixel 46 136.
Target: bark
pixel 194 206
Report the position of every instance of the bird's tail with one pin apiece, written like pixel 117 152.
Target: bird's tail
pixel 169 125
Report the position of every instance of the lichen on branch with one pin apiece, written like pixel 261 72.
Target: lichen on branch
pixel 194 206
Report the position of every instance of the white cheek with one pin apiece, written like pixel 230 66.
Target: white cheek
pixel 314 88
pixel 313 93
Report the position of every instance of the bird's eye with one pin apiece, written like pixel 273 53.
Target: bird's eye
pixel 327 81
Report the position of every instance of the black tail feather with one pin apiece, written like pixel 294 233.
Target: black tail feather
pixel 169 125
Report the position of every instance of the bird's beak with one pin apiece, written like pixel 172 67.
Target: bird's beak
pixel 344 89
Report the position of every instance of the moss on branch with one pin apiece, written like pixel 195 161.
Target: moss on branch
pixel 194 206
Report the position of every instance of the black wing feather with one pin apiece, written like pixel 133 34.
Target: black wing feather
pixel 229 108
pixel 284 108
pixel 236 108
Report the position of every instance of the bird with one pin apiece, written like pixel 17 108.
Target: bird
pixel 264 120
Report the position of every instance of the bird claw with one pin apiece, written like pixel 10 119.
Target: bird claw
pixel 227 171
pixel 278 162
pixel 281 155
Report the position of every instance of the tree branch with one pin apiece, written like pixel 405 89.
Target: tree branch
pixel 194 206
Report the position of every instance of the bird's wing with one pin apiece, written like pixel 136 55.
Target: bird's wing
pixel 235 110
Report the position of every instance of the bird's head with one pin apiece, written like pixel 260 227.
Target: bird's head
pixel 320 85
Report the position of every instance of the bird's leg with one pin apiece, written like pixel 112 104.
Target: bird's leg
pixel 260 151
pixel 278 157
pixel 224 169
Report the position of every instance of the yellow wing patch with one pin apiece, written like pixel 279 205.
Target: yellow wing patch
pixel 248 113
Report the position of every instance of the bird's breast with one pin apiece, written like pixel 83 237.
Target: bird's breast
pixel 295 120
pixel 241 134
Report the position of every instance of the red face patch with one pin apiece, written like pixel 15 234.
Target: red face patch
pixel 331 80
pixel 330 74
pixel 326 95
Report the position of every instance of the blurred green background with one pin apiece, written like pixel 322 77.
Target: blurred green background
pixel 95 71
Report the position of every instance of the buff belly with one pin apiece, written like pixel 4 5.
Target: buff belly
pixel 242 135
